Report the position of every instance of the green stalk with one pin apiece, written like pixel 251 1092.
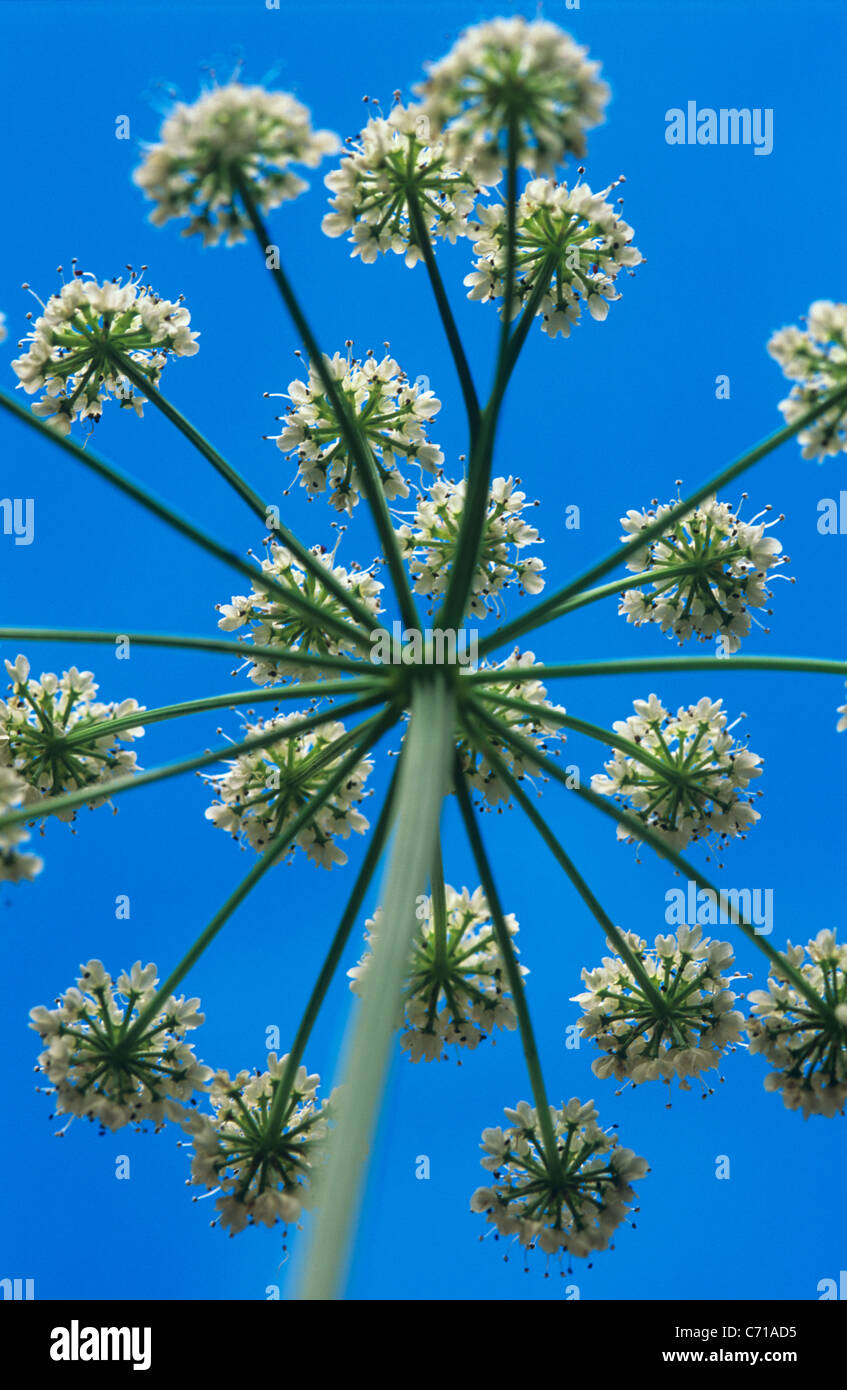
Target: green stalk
pixel 423 779
pixel 513 974
pixel 67 801
pixel 257 576
pixel 671 664
pixel 375 728
pixel 336 950
pixel 544 612
pixel 359 448
pixel 439 905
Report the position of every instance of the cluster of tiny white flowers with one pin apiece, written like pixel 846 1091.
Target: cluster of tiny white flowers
pixel 79 347
pixel 842 723
pixel 572 1201
pixel 262 1172
pixel 56 736
pixel 691 782
pixel 454 990
pixel 570 245
pixel 816 359
pixel 393 162
pixel 100 1069
pixel 273 623
pixel 14 866
pixel 720 566
pixel 266 788
pixel 685 1033
pixel 481 776
pixel 430 544
pixel 389 413
pixel 527 74
pixel 807 1046
pixel 231 133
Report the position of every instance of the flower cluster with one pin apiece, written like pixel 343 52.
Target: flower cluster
pixel 388 413
pixel 454 991
pixel 14 866
pixel 89 334
pixel 570 245
pixel 265 789
pixel 683 775
pixel 431 542
pixel 572 1200
pixel 816 360
pixel 103 1066
pixel 536 727
pixel 842 723
pixel 273 623
pixel 393 181
pixel 261 1166
pixel 806 1044
pixel 514 74
pixel 673 1018
pixel 712 568
pixel 58 738
pixel 232 136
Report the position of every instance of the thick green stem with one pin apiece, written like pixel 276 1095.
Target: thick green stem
pixel 548 609
pixel 422 784
pixel 513 974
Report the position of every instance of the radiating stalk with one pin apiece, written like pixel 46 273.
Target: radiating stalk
pixel 423 780
pixel 659 664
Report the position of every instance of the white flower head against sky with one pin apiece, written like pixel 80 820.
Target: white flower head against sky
pixel 815 359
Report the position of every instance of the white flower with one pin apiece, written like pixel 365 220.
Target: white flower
pixel 572 1200
pixel 431 541
pixel 842 723
pixel 273 623
pixel 3 332
pixel 816 360
pixel 390 414
pixel 806 1045
pixel 454 991
pixel 230 133
pixel 14 866
pixel 100 1069
pixel 391 164
pixel 570 247
pixel 265 789
pixel 685 1033
pixel 720 566
pixel 528 73
pixel 263 1171
pixel 56 736
pixel 536 727
pixel 688 779
pixel 79 348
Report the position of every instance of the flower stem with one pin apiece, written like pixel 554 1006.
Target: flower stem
pixel 422 782
pixel 670 664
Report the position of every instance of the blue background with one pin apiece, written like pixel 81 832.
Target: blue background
pixel 737 245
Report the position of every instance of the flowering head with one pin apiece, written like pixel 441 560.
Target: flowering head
pixel 572 1200
pixel 14 866
pixel 58 738
pixel 525 76
pixel 673 1018
pixel 271 622
pixel 89 336
pixel 815 359
pixel 389 413
pixel 102 1066
pixel 711 569
pixel 804 1042
pixel 232 136
pixel 265 790
pixel 431 542
pixel 394 182
pixel 539 727
pixel 683 775
pixel 570 246
pixel 261 1163
pixel 454 992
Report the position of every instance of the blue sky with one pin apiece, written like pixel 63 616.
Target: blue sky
pixel 737 245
